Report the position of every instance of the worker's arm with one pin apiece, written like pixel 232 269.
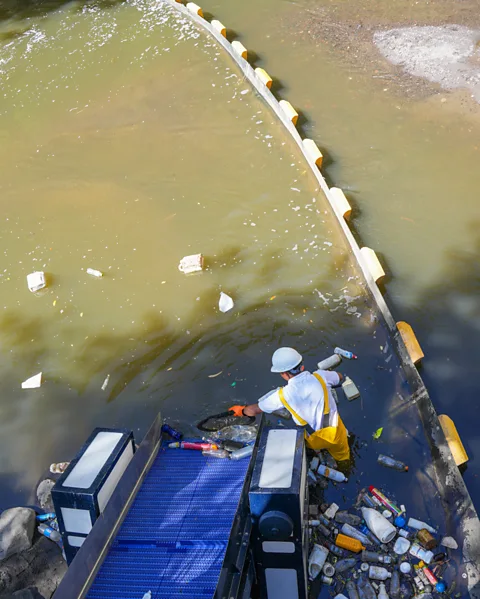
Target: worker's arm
pixel 269 403
pixel 252 410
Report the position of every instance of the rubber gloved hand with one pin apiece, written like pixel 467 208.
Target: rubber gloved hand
pixel 237 410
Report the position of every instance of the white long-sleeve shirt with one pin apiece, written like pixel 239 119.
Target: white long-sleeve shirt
pixel 304 393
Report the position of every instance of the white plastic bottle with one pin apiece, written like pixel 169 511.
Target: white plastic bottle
pixel 382 592
pixel 94 272
pixel 421 553
pixel 418 524
pixel 378 573
pixel 335 475
pixel 379 525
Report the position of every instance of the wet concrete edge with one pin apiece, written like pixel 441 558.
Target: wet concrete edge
pixel 461 515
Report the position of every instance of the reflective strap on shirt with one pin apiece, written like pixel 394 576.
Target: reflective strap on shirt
pixel 326 406
pixel 310 430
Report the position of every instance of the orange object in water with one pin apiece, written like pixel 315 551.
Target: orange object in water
pixel 349 543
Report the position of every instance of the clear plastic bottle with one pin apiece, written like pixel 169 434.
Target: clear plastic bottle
pixel 356 534
pixel 216 453
pixel 336 550
pixel 352 590
pixel 345 564
pixel 239 454
pixel 365 589
pixel 395 584
pixel 346 518
pixel 385 460
pixel 47 531
pixel 335 475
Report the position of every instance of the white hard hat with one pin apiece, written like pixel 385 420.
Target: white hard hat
pixel 284 359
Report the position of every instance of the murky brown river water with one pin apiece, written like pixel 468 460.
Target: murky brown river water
pixel 130 141
pixel 409 168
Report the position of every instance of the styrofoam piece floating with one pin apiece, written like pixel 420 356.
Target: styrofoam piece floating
pixel 33 382
pixel 190 264
pixel 225 303
pixel 36 281
pixel 94 272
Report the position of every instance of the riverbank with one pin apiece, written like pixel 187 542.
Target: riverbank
pixel 421 52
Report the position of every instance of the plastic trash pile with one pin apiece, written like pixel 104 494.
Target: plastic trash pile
pixel 374 550
pixel 234 442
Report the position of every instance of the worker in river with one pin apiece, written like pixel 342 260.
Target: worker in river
pixel 309 399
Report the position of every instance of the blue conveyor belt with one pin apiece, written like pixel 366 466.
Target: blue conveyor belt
pixel 175 535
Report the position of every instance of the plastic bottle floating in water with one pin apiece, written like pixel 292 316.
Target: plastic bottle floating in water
pixel 389 462
pixel 335 475
pixel 345 354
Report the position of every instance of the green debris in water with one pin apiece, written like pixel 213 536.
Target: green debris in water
pixel 233 384
pixel 378 433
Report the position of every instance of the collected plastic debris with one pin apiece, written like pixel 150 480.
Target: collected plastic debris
pixel 350 389
pixel 385 460
pixel 105 382
pixel 36 281
pixel 345 353
pixel 190 264
pixel 331 362
pixel 378 433
pixel 402 555
pixel 95 273
pixel 193 445
pixel 237 432
pixel 167 429
pixel 59 467
pixel 225 303
pixel 33 382
pixel 316 561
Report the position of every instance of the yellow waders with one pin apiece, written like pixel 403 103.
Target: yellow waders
pixel 332 438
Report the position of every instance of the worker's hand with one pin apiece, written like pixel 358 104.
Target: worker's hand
pixel 237 410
